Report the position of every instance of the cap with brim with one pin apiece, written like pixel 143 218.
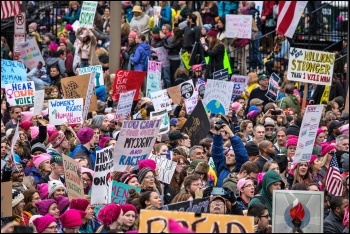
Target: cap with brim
pixel 217 197
pixel 256 102
pixel 56 159
pixel 137 9
pixel 263 76
pixel 266 124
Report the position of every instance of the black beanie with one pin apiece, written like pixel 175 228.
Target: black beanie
pixel 252 148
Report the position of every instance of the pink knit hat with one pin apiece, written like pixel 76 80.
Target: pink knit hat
pixel 133 34
pixel 68 27
pixel 128 207
pixel 62 203
pixel 241 183
pixel 25 125
pixel 38 159
pixel 87 170
pixel 175 227
pixel 319 131
pixel 56 138
pixel 313 159
pixel 45 112
pixel 44 205
pixel 344 129
pixel 34 132
pixel 326 148
pixel 26 115
pixel 103 140
pixel 43 222
pixel 110 117
pixel 50 129
pixel 109 213
pixel 43 190
pixel 79 204
pixel 33 25
pixel 291 140
pixel 196 67
pixel 85 135
pixel 147 163
pixel 53 47
pixel 72 218
pixel 236 106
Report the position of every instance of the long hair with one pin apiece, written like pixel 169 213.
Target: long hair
pixel 214 43
pixel 297 178
pixel 178 35
pixel 176 180
pixel 28 198
pixel 3 40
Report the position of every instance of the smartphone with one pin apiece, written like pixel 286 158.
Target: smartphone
pixel 218 191
pixel 22 229
pixel 276 112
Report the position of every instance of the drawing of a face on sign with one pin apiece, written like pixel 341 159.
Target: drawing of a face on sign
pixel 201 90
pixel 70 89
pixel 186 90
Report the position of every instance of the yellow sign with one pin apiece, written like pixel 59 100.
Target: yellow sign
pixel 157 221
pixel 325 95
pixel 186 60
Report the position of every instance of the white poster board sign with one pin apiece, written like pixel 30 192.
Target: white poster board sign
pixel 217 96
pixel 87 15
pixel 66 110
pixel 98 78
pixel 238 26
pixel 30 53
pixel 39 101
pixel 165 167
pixel 124 105
pixel 160 100
pixel 20 94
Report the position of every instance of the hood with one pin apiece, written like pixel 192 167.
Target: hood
pixel 146 48
pixel 270 177
pixel 231 182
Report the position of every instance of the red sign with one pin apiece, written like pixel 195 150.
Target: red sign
pixel 127 80
pixel 18 38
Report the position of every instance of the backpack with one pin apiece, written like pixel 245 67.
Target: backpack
pixel 48 67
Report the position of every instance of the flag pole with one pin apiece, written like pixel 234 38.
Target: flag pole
pixel 304 95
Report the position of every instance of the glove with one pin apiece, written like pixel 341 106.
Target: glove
pixel 207 191
pixel 230 195
pixel 198 193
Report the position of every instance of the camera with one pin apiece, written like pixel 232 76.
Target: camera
pixel 218 124
pixel 276 112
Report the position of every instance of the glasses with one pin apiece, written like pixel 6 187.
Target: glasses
pixel 292 148
pixel 220 203
pixel 269 129
pixel 249 186
pixel 265 216
pixel 200 153
pixel 149 177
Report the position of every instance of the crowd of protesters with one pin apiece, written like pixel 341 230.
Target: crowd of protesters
pixel 252 146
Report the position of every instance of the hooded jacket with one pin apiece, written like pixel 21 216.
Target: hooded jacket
pixel 289 101
pixel 142 53
pixel 270 177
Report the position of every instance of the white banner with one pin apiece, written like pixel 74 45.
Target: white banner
pixel 217 96
pixel 87 14
pixel 39 101
pixel 160 100
pixel 240 83
pixel 238 26
pixel 89 93
pixel 164 117
pixel 307 134
pixel 66 110
pixel 97 78
pixel 124 105
pixel 165 167
pixel 30 53
pixel 20 94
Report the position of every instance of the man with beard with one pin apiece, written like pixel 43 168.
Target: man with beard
pixel 59 144
pixel 267 151
pixel 281 139
pixel 193 186
pixel 230 160
pixel 261 218
pixel 333 222
pixel 217 205
pixel 102 122
pixel 333 130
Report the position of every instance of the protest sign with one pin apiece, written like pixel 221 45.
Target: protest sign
pixel 135 142
pixel 98 78
pixel 30 53
pixel 296 211
pixel 77 43
pixel 310 66
pixel 272 91
pixel 200 87
pixel 102 176
pixel 154 71
pixel 127 80
pixel 165 167
pixel 66 110
pixel 89 93
pixel 307 134
pixel 38 101
pixel 20 94
pixel 197 125
pixel 200 205
pixel 240 83
pixel 14 141
pixel 157 10
pixel 221 74
pixel 160 100
pixel 217 97
pixel 175 94
pixel 191 102
pixel 157 222
pixel 120 192
pixel 162 55
pixel 186 89
pixel 164 117
pixel 12 72
pixel 74 184
pixel 239 26
pixel 124 105
pixel 87 14
pixel 6 199
pixel 77 87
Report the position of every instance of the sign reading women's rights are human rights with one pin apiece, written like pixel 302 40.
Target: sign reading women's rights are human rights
pixel 19 94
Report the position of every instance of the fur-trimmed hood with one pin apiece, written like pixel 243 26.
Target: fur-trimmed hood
pixel 199 166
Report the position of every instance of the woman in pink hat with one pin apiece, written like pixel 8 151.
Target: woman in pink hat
pixel 87 175
pixel 42 166
pixel 111 217
pixel 46 224
pixel 129 217
pixel 300 173
pixel 317 172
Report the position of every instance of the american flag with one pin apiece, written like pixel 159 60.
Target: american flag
pixel 10 8
pixel 334 183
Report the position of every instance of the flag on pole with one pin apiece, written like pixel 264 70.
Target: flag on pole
pixel 289 13
pixel 334 183
pixel 10 8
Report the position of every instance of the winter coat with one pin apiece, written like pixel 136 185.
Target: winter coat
pixel 270 177
pixel 140 23
pixel 173 47
pixel 93 59
pixel 219 156
pixel 142 53
pixel 216 58
pixel 72 16
pixel 332 224
pixel 227 7
pixel 166 16
pixel 127 65
pixel 230 183
pixel 289 101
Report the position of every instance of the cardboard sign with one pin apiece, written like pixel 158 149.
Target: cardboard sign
pixel 98 78
pixel 127 80
pixel 162 54
pixel 87 15
pixel 157 222
pixel 124 105
pixel 238 26
pixel 221 74
pixel 20 94
pixel 77 87
pixel 217 97
pixel 175 94
pixel 120 192
pixel 197 125
pixel 272 91
pixel 102 176
pixel 39 101
pixel 66 110
pixel 165 167
pixel 307 134
pixel 240 83
pixel 89 93
pixel 135 142
pixel 6 199
pixel 160 100
pixel 164 117
pixel 12 72
pixel 289 206
pixel 30 53
pixel 310 66
pixel 196 206
pixel 74 184
pixel 154 73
